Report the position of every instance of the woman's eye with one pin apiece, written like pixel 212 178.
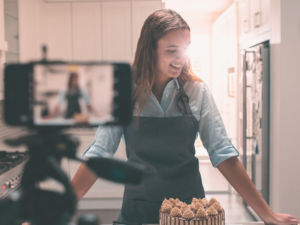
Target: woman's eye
pixel 171 51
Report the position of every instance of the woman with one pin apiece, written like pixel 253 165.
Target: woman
pixel 171 106
pixel 72 95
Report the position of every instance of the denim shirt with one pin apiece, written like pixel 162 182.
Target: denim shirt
pixel 210 125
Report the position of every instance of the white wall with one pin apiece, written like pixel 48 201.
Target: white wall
pixel 1 21
pixel 201 28
pixel 224 56
pixel 285 107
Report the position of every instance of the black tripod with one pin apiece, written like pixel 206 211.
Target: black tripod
pixel 41 207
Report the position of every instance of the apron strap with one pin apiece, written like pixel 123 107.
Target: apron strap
pixel 183 98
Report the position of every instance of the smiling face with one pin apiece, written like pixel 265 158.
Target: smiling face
pixel 75 81
pixel 171 53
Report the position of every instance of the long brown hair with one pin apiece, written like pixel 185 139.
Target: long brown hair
pixel 70 81
pixel 155 27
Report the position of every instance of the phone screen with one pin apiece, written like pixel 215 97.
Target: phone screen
pixel 69 94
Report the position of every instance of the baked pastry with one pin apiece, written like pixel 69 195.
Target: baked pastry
pixel 197 213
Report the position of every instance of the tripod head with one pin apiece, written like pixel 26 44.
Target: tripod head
pixel 42 207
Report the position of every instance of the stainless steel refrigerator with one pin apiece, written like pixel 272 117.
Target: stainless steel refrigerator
pixel 254 116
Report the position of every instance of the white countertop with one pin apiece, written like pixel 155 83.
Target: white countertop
pixel 244 223
pixel 227 223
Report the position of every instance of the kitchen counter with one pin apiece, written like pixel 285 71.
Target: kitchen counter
pixel 226 223
pixel 244 223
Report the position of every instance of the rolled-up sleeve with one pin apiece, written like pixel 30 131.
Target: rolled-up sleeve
pixel 85 96
pixel 106 141
pixel 212 130
pixel 61 97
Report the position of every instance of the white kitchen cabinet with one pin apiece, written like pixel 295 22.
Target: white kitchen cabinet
pixel 59 35
pixel 259 16
pixel 32 29
pixel 243 19
pixel 116 32
pixel 253 18
pixel 140 11
pixel 264 16
pixel 254 11
pixel 86 31
pixel 11 28
pixel 82 31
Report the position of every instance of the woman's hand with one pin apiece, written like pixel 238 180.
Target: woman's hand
pixel 276 218
pixel 235 173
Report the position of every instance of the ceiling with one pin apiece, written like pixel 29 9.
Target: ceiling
pixel 209 9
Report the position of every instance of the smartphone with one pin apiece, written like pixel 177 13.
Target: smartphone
pixel 62 94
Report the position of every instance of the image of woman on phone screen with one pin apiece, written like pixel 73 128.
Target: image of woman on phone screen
pixel 72 96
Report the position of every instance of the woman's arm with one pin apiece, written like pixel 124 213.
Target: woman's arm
pixel 52 113
pixel 83 181
pixel 223 155
pixel 92 110
pixel 60 99
pixel 106 142
pixel 233 170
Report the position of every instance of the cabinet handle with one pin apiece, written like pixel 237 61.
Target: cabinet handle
pixel 257 19
pixel 245 23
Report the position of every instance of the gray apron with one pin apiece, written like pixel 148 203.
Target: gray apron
pixel 73 106
pixel 166 147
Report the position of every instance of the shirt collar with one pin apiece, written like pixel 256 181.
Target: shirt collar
pixel 175 82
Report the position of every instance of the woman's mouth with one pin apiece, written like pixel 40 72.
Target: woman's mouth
pixel 176 66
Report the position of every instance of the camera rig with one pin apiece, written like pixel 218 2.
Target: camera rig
pixel 46 147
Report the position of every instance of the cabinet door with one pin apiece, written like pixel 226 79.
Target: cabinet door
pixel 264 16
pixel 243 20
pixel 140 12
pixel 116 30
pixel 254 7
pixel 59 36
pixel 86 31
pixel 32 29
